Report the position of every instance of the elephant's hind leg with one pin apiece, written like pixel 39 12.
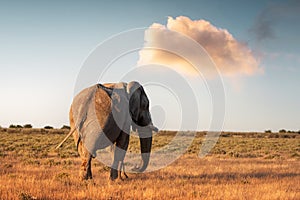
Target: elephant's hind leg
pixel 86 159
pixel 86 168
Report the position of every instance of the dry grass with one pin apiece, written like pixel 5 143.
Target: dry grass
pixel 239 167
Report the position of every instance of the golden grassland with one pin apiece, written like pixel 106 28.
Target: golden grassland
pixel 240 166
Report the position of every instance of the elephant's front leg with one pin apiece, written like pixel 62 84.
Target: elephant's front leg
pixel 119 154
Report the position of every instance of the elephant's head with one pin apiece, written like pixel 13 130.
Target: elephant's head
pixel 141 120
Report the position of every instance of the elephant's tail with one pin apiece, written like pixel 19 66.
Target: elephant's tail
pixel 63 141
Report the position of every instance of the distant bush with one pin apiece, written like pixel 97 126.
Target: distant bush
pixel 48 127
pixel 299 131
pixel 282 131
pixel 15 126
pixel 27 126
pixel 268 131
pixel 65 127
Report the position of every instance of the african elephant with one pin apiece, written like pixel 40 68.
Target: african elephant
pixel 102 115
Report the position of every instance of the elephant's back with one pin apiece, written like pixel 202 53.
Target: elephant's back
pixel 102 106
pixel 91 105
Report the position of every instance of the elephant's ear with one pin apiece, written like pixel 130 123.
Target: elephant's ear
pixel 134 105
pixel 117 93
pixel 119 100
pixel 144 101
pixel 116 101
pixel 134 93
pixel 108 90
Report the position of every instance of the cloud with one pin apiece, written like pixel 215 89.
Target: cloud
pixel 180 45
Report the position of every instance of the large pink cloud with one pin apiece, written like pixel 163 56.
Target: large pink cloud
pixel 230 56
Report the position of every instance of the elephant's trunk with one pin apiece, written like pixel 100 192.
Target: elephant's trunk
pixel 146 144
pixel 145 134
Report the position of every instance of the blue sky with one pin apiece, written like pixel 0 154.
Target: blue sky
pixel 43 45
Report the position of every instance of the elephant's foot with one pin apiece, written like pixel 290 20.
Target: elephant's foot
pixel 121 177
pixel 122 169
pixel 117 175
pixel 86 171
pixel 89 174
pixel 84 175
pixel 113 174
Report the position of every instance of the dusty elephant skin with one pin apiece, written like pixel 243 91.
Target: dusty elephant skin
pixel 102 115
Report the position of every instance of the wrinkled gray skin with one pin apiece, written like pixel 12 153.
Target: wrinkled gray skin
pixel 102 115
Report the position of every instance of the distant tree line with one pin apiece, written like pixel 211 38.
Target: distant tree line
pixel 30 126
pixel 283 131
pixel 68 128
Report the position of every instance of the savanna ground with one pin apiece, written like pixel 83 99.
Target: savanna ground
pixel 240 166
